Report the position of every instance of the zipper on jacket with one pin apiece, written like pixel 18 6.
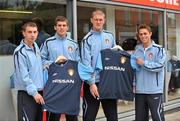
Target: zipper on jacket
pixel 157 79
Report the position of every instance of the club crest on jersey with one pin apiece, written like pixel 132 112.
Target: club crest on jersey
pixel 107 59
pixel 106 41
pixel 150 56
pixel 70 48
pixel 71 72
pixel 122 60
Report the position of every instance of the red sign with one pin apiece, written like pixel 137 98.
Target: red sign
pixel 168 4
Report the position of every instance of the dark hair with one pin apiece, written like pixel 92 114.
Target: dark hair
pixel 62 19
pixel 129 44
pixel 39 22
pixel 31 24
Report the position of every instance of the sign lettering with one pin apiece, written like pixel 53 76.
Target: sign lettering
pixel 168 4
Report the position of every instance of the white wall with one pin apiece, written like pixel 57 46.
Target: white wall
pixel 7 112
pixel 110 19
pixel 177 36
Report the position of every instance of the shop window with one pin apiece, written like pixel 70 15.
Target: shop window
pixel 14 13
pixel 173 56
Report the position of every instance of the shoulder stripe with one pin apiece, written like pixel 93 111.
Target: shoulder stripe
pixel 20 50
pixel 160 49
pixel 154 68
pixel 51 38
pixel 107 32
pixel 47 40
pixel 86 39
pixel 16 55
pixel 87 36
pixel 72 40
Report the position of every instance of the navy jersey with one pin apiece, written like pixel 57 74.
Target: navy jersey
pixel 116 77
pixel 62 90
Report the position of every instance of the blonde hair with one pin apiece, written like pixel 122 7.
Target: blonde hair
pixel 97 12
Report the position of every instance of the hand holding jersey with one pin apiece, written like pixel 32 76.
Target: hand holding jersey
pixel 64 84
pixel 116 75
pixel 149 64
pixel 95 41
pixel 60 59
pixel 117 47
pixel 28 75
pixel 39 99
pixel 58 45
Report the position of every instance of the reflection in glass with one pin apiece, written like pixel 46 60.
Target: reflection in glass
pixel 6 48
pixel 173 54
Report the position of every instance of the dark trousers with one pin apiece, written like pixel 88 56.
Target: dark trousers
pixel 146 102
pixel 56 117
pixel 28 109
pixel 91 106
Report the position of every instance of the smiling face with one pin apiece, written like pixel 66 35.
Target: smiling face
pixel 144 35
pixel 98 20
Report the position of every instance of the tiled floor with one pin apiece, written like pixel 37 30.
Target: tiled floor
pixel 173 116
pixel 169 116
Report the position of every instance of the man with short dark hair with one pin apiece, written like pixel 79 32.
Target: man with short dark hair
pixel 60 45
pixel 28 75
pixel 149 81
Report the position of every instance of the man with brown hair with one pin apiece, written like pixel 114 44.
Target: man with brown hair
pixel 149 81
pixel 28 75
pixel 60 45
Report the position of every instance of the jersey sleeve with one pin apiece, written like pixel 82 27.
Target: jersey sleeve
pixel 86 73
pixel 134 65
pixel 45 54
pixel 77 54
pixel 45 75
pixel 23 73
pixel 86 52
pixel 156 66
pixel 99 66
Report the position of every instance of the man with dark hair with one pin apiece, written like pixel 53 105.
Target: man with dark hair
pixel 57 46
pixel 129 44
pixel 149 81
pixel 28 75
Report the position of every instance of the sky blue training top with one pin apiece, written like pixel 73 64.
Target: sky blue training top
pixel 91 46
pixel 150 76
pixel 28 73
pixel 56 46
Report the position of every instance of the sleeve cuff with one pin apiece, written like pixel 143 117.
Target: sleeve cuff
pixel 31 90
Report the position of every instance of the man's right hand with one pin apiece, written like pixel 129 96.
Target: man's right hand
pixel 60 59
pixel 39 99
pixel 94 91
